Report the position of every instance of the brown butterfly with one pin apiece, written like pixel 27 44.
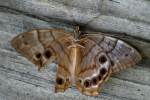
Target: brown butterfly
pixel 86 61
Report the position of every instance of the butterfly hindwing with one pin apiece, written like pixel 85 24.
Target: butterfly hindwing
pixel 93 69
pixel 64 66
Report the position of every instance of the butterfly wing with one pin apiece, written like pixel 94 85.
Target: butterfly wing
pixel 37 45
pixel 63 75
pixel 102 56
pixel 93 69
pixel 44 46
pixel 121 54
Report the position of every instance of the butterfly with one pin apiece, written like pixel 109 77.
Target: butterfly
pixel 86 60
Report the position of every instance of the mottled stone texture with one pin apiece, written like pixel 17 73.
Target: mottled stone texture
pixel 128 20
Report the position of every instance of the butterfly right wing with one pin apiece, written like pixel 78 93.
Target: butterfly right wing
pixel 100 57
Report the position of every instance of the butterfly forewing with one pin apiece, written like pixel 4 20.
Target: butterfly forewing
pixel 121 54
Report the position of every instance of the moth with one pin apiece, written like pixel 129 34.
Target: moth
pixel 86 61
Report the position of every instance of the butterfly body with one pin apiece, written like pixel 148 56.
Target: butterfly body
pixel 86 61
